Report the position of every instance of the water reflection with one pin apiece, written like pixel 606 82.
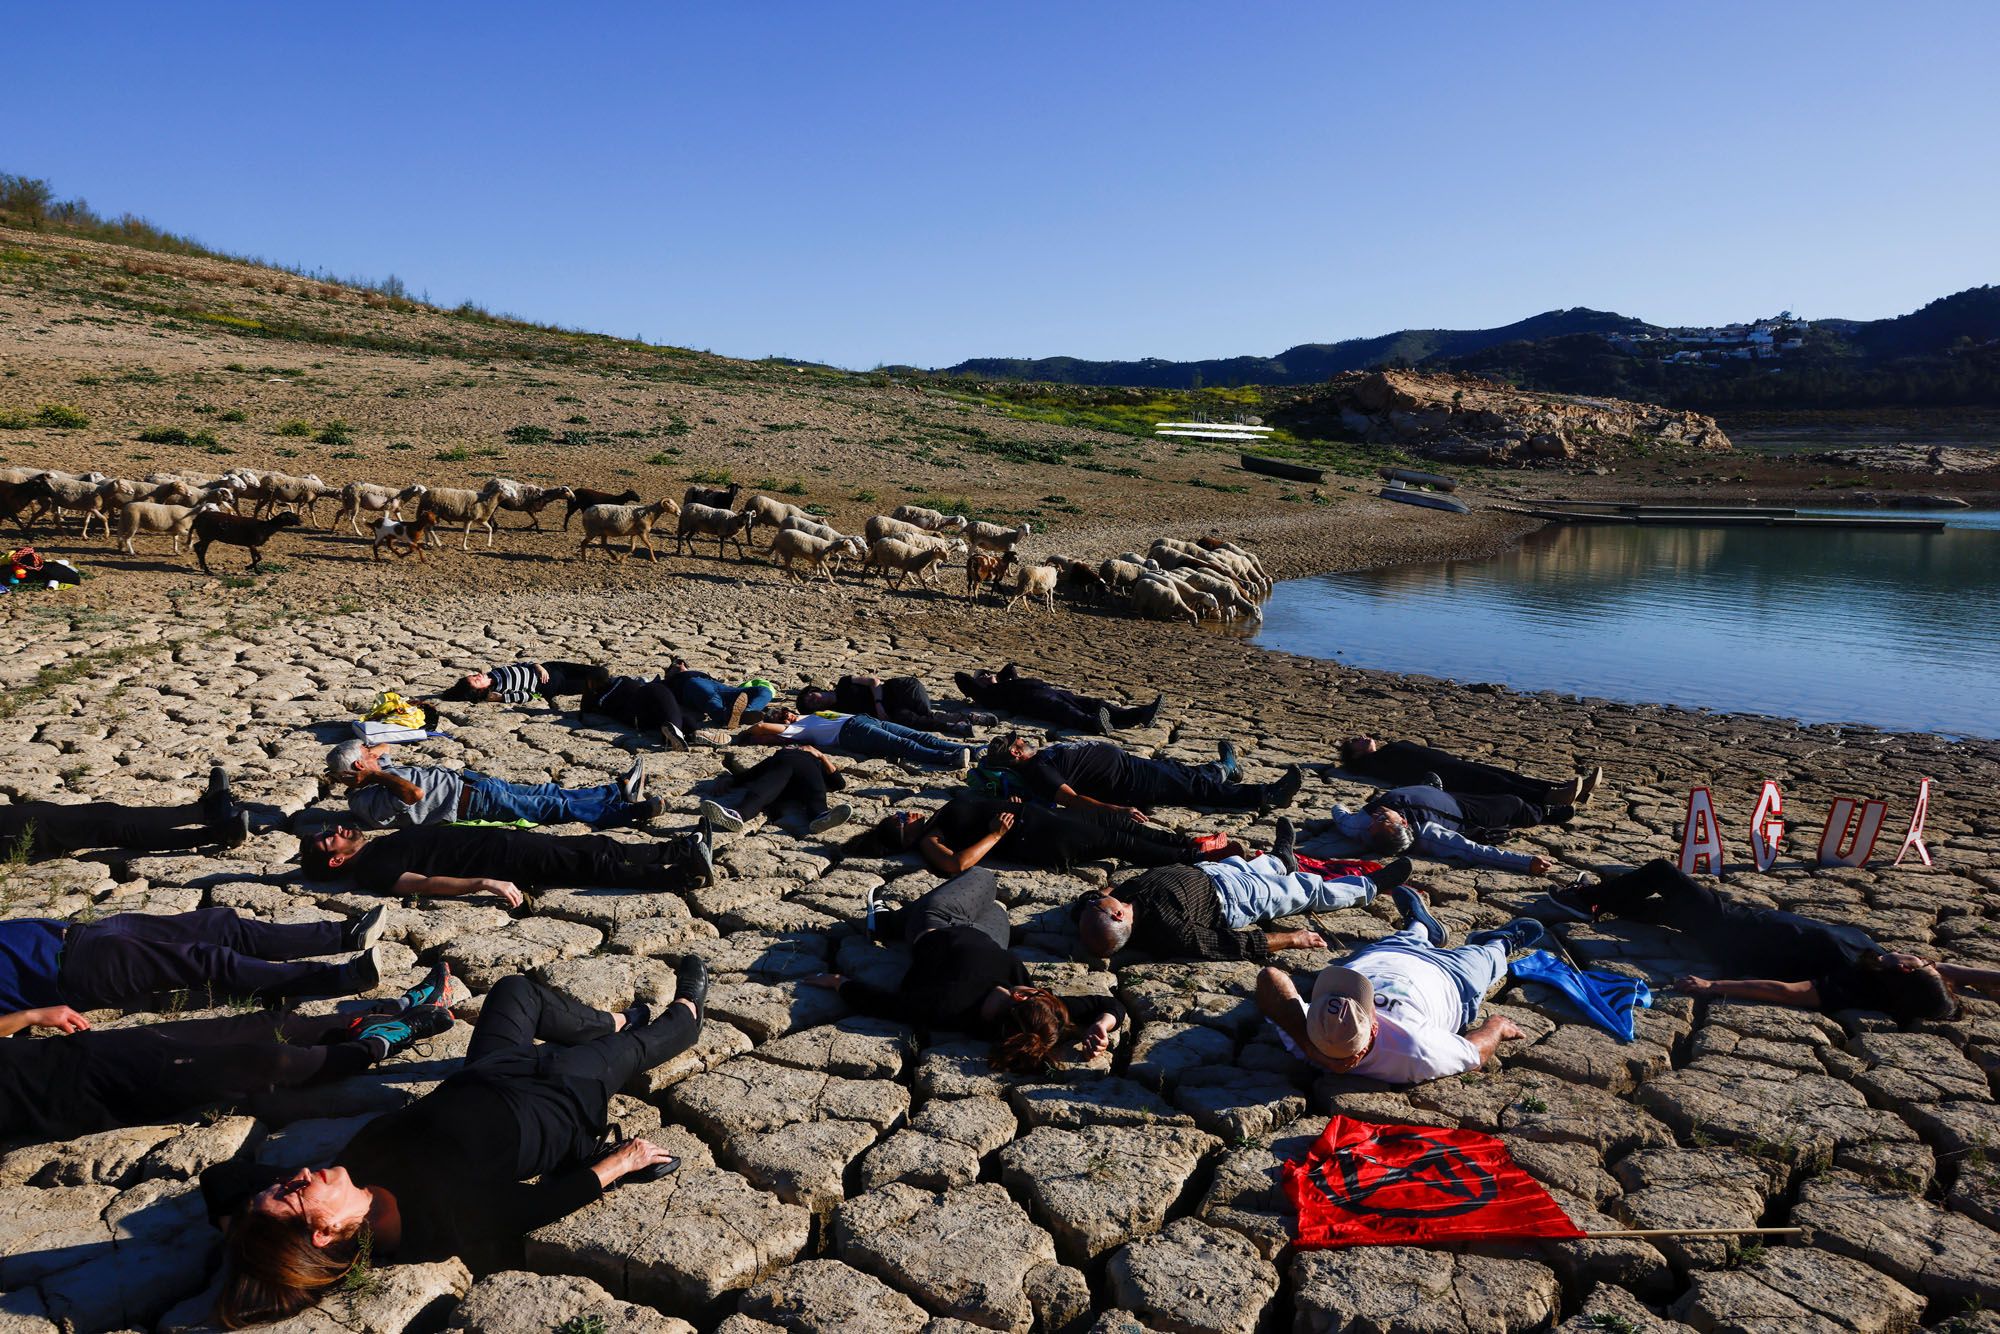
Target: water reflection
pixel 1895 629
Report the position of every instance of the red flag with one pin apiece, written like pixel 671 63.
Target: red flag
pixel 1364 1184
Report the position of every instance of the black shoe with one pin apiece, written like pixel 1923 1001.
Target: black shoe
pixel 649 810
pixel 1286 790
pixel 702 849
pixel 236 829
pixel 365 930
pixel 1560 814
pixel 387 1035
pixel 691 984
pixel 1414 912
pixel 1431 780
pixel 1523 933
pixel 1575 902
pixel 1225 749
pixel 1104 727
pixel 1284 845
pixel 638 1014
pixel 1391 874
pixel 1153 711
pixel 217 802
pixel 362 973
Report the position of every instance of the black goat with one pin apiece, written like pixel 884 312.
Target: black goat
pixel 233 530
pixel 721 497
pixel 583 497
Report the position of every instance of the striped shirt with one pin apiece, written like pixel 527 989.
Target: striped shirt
pixel 516 684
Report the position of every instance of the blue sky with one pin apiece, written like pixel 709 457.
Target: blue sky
pixel 878 183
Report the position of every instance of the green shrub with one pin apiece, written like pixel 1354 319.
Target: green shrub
pixel 663 458
pixel 456 454
pixel 174 435
pixel 577 421
pixel 234 415
pixel 295 427
pixel 792 489
pixel 401 444
pixel 525 434
pixel 335 432
pixel 713 477
pixel 60 416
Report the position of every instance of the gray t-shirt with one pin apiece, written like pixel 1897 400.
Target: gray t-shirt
pixel 376 806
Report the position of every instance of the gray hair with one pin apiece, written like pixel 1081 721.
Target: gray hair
pixel 341 760
pixel 1102 937
pixel 1394 838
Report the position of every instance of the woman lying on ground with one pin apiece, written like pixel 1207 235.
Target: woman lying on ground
pixel 963 976
pixel 967 829
pixel 519 682
pixel 871 738
pixel 447 1174
pixel 640 702
pixel 799 774
pixel 897 699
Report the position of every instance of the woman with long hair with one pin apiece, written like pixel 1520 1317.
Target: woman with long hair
pixel 963 976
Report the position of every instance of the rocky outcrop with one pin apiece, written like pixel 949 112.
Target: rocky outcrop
pixel 1464 419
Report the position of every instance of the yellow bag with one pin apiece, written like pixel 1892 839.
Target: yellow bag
pixel 391 707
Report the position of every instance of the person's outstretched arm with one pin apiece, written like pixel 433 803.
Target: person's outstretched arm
pixel 59 1017
pixel 944 861
pixel 411 885
pixel 762 734
pixel 1971 977
pixel 1488 1036
pixel 1767 991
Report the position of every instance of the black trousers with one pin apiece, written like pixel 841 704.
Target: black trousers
pixel 969 899
pixel 595 859
pixel 1065 838
pixel 1660 892
pixel 788 775
pixel 1401 763
pixel 1492 819
pixel 55 830
pixel 1032 698
pixel 130 958
pixel 562 1088
pixel 645 705
pixel 1173 783
pixel 565 678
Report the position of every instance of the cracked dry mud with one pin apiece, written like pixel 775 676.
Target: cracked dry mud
pixel 847 1174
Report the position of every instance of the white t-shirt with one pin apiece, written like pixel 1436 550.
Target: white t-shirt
pixel 1418 1013
pixel 816 729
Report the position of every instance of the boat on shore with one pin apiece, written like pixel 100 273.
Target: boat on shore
pixel 1429 500
pixel 1297 472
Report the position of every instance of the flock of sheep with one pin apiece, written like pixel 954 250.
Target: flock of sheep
pixel 1206 579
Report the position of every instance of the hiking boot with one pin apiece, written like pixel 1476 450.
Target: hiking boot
pixel 736 707
pixel 1523 933
pixel 721 817
pixel 1588 788
pixel 1225 749
pixel 1415 914
pixel 438 988
pixel 632 783
pixel 1576 902
pixel 387 1035
pixel 1153 711
pixel 365 930
pixel 1104 727
pixel 1567 794
pixel 691 984
pixel 217 802
pixel 1286 790
pixel 831 818
pixel 1284 844
pixel 649 810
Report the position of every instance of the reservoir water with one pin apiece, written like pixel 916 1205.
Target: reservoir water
pixel 1897 630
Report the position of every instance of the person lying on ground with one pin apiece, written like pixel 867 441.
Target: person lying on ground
pixel 39 830
pixel 1401 763
pixel 1447 825
pixel 1778 958
pixel 445 861
pixel 704 697
pixel 871 738
pixel 967 829
pixel 519 683
pixel 1401 1010
pixel 90 1080
pixel 448 1175
pixel 1099 776
pixel 799 774
pixel 896 699
pixel 1212 910
pixel 963 976
pixel 133 960
pixel 1007 691
pixel 385 795
pixel 639 702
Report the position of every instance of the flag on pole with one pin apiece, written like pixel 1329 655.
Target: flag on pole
pixel 1364 1184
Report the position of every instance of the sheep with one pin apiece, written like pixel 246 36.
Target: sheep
pixel 1232 600
pixel 721 497
pixel 1078 579
pixel 583 497
pixel 56 493
pixel 992 537
pixel 359 498
pixel 1214 545
pixel 1119 574
pixel 457 504
pixel 801 524
pixel 388 532
pixel 1205 604
pixel 13 500
pixel 1035 581
pixel 822 553
pixel 502 493
pixel 931 521
pixel 984 569
pixel 211 526
pixel 773 512
pixel 880 526
pixel 601 523
pixel 193 492
pixel 301 493
pixel 145 516
pixel 17 475
pixel 720 524
pixel 1158 598
pixel 901 560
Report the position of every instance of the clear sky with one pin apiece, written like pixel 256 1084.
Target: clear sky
pixel 920 183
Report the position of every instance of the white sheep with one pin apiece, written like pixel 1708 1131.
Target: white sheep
pixel 772 513
pixel 1035 581
pixel 504 493
pixel 1119 573
pixel 721 524
pixel 931 521
pixel 1157 597
pixel 820 553
pixel 60 494
pixel 458 504
pixel 802 524
pixel 880 526
pixel 899 559
pixel 601 523
pixel 1230 598
pixel 301 493
pixel 992 537
pixel 359 498
pixel 145 516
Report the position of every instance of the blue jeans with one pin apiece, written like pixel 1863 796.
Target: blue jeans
pixel 1475 968
pixel 1260 889
pixel 544 803
pixel 703 694
pixel 893 741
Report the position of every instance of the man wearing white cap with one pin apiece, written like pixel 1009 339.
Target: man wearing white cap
pixel 1402 1009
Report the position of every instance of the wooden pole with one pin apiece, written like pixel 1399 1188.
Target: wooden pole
pixel 1633 1233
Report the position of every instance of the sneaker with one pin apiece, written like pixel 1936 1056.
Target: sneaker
pixel 1415 914
pixel 736 707
pixel 1575 902
pixel 1523 933
pixel 831 818
pixel 716 738
pixel 362 973
pixel 721 817
pixel 1284 845
pixel 1153 711
pixel 236 829
pixel 365 930
pixel 217 802
pixel 703 848
pixel 1390 874
pixel 1286 790
pixel 965 759
pixel 1225 749
pixel 874 904
pixel 387 1035
pixel 1588 788
pixel 438 988
pixel 691 983
pixel 632 783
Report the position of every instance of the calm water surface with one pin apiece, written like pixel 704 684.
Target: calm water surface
pixel 1899 630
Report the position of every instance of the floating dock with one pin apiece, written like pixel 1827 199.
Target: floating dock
pixel 1720 516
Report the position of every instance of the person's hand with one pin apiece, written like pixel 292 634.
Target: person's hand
pixel 541 673
pixel 825 981
pixel 1305 940
pixel 1096 1039
pixel 628 1158
pixel 1001 823
pixel 509 892
pixel 1899 961
pixel 1690 985
pixel 1137 814
pixel 59 1017
pixel 1509 1029
pixel 1540 865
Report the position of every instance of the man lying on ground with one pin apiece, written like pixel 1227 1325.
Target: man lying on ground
pixel 385 795
pixel 640 702
pixel 1400 1010
pixel 1099 776
pixel 1447 825
pixel 871 738
pixel 897 699
pixel 39 830
pixel 799 774
pixel 444 861
pixel 1780 958
pixel 1400 763
pixel 133 960
pixel 520 682
pixel 1009 692
pixel 967 829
